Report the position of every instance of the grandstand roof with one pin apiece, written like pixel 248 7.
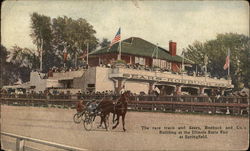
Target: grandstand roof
pixel 139 47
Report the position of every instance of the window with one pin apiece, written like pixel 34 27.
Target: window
pixel 157 62
pixel 163 64
pixel 140 60
pixel 168 65
pixel 91 85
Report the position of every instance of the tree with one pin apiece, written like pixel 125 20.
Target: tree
pixel 105 43
pixel 23 61
pixel 217 49
pixel 59 34
pixel 16 65
pixel 24 57
pixel 3 58
pixel 73 35
pixel 41 31
pixel 42 38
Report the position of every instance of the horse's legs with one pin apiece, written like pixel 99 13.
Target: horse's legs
pixel 104 119
pixel 101 121
pixel 123 122
pixel 113 118
pixel 94 118
pixel 117 123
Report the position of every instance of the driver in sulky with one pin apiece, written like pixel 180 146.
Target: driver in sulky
pixel 92 106
pixel 80 106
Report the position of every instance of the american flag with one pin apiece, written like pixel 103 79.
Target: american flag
pixel 226 65
pixel 117 38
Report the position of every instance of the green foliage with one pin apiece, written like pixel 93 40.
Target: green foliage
pixel 216 51
pixel 53 36
pixel 105 43
pixel 23 61
pixel 20 63
pixel 41 31
pixel 3 54
pixel 73 36
pixel 3 57
pixel 24 57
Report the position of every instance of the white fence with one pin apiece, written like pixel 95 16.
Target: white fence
pixel 21 139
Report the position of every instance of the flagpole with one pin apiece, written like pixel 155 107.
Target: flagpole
pixel 119 55
pixel 182 63
pixel 120 48
pixel 228 71
pixel 75 59
pixel 159 63
pixel 41 56
pixel 87 53
pixel 205 62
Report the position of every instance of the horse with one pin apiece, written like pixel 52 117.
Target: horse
pixel 119 109
pixel 105 107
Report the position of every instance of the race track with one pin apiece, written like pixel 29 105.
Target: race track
pixel 56 125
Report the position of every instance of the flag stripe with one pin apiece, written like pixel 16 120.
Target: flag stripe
pixel 117 38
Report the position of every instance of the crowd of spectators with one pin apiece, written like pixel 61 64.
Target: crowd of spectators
pixel 67 69
pixel 57 94
pixel 138 66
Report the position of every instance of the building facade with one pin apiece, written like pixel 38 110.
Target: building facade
pixel 99 77
pixel 135 50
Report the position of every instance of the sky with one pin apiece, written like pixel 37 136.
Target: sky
pixel 156 21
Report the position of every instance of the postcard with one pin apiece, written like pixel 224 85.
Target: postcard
pixel 124 75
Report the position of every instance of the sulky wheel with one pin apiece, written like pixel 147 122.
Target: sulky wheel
pixel 88 122
pixel 77 118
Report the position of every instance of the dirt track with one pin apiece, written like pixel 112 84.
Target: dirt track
pixel 56 125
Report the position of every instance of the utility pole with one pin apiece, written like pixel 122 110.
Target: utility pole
pixel 205 62
pixel 120 51
pixel 182 63
pixel 87 53
pixel 41 56
pixel 75 59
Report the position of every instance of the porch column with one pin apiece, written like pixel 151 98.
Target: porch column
pixel 178 89
pixel 222 91
pixel 19 144
pixel 162 90
pixel 121 85
pixel 151 87
pixel 201 90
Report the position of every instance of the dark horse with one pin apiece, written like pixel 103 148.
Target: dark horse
pixel 118 109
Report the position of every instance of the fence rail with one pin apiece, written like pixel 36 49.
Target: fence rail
pixel 227 105
pixel 213 99
pixel 21 139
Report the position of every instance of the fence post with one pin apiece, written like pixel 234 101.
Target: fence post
pixel 19 144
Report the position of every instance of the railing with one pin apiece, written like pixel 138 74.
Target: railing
pixel 212 99
pixel 228 105
pixel 59 96
pixel 184 98
pixel 20 143
pixel 202 107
